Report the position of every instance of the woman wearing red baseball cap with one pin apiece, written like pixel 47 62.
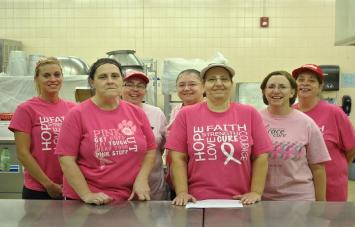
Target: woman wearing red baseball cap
pixel 335 126
pixel 133 91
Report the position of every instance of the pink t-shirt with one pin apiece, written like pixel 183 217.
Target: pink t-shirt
pixel 42 121
pixel 168 172
pixel 220 147
pixel 109 146
pixel 339 137
pixel 156 179
pixel 298 143
pixel 173 114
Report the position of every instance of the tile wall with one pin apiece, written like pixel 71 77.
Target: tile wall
pixel 301 31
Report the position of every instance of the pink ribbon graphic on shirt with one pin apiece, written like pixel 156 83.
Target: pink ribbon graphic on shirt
pixel 102 160
pixel 229 155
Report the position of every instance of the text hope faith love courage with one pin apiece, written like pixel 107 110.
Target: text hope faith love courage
pixel 225 134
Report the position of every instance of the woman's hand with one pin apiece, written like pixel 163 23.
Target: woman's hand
pixel 55 190
pixel 248 198
pixel 97 198
pixel 141 188
pixel 182 198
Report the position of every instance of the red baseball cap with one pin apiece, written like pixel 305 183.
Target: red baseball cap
pixel 314 68
pixel 133 73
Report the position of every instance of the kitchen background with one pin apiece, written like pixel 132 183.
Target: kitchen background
pixel 299 32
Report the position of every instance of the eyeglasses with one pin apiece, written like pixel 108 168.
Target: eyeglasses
pixel 273 87
pixel 223 79
pixel 191 85
pixel 310 80
pixel 138 86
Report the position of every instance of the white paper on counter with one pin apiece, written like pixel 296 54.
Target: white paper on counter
pixel 215 203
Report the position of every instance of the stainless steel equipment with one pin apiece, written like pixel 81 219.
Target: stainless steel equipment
pixel 283 213
pixel 73 65
pixel 32 60
pixel 6 46
pixel 53 213
pixel 250 94
pixel 127 59
pixel 17 65
pixel 150 69
pixel 162 213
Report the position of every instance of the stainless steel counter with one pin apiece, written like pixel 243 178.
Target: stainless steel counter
pixel 75 213
pixel 281 214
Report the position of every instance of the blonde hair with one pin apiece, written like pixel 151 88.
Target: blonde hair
pixel 45 61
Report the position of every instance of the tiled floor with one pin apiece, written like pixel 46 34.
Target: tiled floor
pixel 351 191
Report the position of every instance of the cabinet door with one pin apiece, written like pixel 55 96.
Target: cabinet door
pixel 344 23
pixel 11 182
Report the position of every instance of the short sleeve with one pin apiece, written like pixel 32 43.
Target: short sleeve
pixel 177 139
pixel 317 151
pixel 21 121
pixel 262 141
pixel 70 135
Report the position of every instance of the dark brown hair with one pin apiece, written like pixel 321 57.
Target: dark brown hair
pixel 97 64
pixel 288 76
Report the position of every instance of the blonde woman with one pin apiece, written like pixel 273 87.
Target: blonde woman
pixel 36 124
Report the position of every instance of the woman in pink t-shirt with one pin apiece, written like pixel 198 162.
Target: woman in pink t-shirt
pixel 337 129
pixel 133 91
pixel 106 147
pixel 36 125
pixel 190 90
pixel 219 149
pixel 296 165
